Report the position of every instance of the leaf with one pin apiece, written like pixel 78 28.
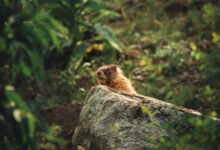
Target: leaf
pixel 153 75
pixel 105 13
pixel 24 68
pixel 108 35
pixel 6 2
pixel 193 46
pixel 145 110
pixel 17 115
pixel 44 21
pixel 169 95
pixel 21 111
pixel 13 96
pixel 58 26
pixel 2 44
pixel 198 56
pixel 209 91
pixel 93 6
pixel 37 64
pixel 31 124
pixel 80 147
pixel 98 47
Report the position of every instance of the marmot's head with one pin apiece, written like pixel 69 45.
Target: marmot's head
pixel 107 73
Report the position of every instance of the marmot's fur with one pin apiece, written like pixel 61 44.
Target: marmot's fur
pixel 112 76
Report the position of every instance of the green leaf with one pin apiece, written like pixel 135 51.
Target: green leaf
pixel 153 75
pixel 6 2
pixel 2 44
pixel 197 56
pixel 145 110
pixel 58 26
pixel 193 46
pixel 106 33
pixel 103 14
pixel 14 97
pixel 31 124
pixel 24 68
pixel 54 29
pixel 21 109
pixel 169 95
pixel 209 91
pixel 37 64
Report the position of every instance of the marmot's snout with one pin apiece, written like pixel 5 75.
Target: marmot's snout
pixel 100 75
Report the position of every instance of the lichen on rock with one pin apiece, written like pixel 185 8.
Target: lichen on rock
pixel 119 121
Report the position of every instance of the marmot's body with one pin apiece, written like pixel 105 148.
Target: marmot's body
pixel 112 76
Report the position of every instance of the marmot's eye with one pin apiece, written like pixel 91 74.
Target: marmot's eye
pixel 99 73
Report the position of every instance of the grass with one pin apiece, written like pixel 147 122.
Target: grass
pixel 157 57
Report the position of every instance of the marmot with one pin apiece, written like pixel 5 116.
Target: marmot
pixel 112 76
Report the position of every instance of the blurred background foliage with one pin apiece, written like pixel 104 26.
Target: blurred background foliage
pixel 50 49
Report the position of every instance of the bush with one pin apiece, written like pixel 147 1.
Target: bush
pixel 34 35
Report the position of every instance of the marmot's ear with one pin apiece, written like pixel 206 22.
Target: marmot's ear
pixel 114 67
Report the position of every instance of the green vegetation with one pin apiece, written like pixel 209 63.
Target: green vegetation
pixel 38 35
pixel 49 51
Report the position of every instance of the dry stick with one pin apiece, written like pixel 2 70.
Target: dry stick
pixel 180 108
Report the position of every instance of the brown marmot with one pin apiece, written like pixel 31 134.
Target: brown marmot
pixel 112 76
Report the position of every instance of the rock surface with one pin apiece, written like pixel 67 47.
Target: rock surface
pixel 119 121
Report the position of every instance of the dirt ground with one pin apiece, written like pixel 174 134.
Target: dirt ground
pixel 66 117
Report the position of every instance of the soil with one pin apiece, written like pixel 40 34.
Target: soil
pixel 67 118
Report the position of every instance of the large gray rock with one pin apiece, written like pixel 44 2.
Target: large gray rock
pixel 119 121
